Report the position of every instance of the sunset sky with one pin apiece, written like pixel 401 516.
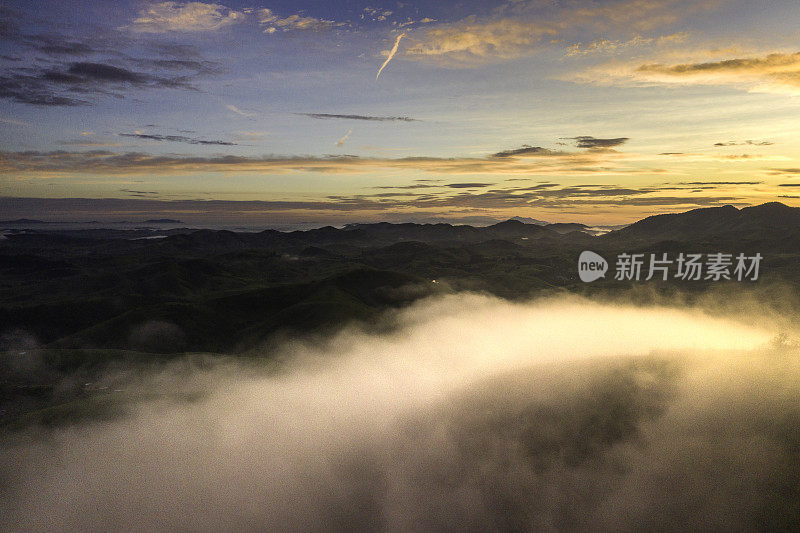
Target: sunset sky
pixel 600 112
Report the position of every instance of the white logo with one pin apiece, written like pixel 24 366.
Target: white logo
pixel 591 266
pixel 686 267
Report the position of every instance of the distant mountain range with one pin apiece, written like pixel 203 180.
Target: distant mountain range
pixel 23 221
pixel 766 221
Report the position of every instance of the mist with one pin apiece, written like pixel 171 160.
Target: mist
pixel 466 412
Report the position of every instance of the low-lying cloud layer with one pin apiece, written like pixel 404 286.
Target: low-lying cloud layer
pixel 517 161
pixel 470 195
pixel 471 413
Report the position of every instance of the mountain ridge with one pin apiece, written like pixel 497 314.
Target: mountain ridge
pixel 761 220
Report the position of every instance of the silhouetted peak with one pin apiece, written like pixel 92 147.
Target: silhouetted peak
pixel 510 223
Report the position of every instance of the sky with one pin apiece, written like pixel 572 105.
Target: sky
pixel 280 112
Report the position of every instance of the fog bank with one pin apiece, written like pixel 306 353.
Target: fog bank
pixel 472 413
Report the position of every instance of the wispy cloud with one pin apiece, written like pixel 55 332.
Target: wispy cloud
pixel 468 185
pixel 358 117
pixel 562 199
pixel 274 23
pixel 616 46
pixel 70 86
pixel 586 141
pixel 233 108
pixel 525 150
pixel 525 163
pixel 63 66
pixel 784 170
pixel 392 52
pixel 165 17
pixel 523 28
pixel 777 72
pixel 744 143
pixel 411 187
pixel 766 74
pixel 176 138
pixel 141 194
pixel 720 183
pixel 469 42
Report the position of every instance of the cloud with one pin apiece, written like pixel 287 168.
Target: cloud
pixel 784 170
pixel 41 36
pixel 624 16
pixel 175 138
pixel 188 65
pixel 380 15
pixel 607 46
pixel 324 116
pixel 390 55
pixel 231 107
pixel 84 71
pixel 557 198
pixel 774 73
pixel 35 90
pixel 141 194
pixel 71 85
pixel 468 185
pixel 175 50
pixel 442 198
pixel 745 143
pixel 343 140
pixel 409 187
pixel 469 42
pixel 592 142
pixel 111 48
pixel 525 150
pixel 720 183
pixel 274 23
pixel 77 70
pixel 526 162
pixel 769 64
pixel 166 17
pixel 473 413
pixel 523 28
